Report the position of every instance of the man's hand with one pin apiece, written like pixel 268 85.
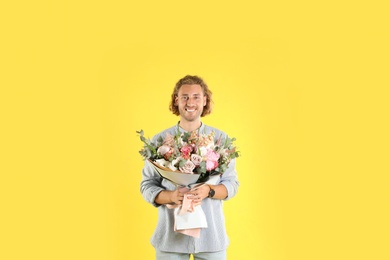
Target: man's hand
pixel 198 194
pixel 177 197
pixel 170 197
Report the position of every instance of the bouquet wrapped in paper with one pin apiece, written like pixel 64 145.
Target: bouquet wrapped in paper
pixel 188 160
pixel 193 156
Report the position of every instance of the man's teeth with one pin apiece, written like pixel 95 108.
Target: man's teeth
pixel 190 110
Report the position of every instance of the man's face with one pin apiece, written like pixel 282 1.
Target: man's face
pixel 190 100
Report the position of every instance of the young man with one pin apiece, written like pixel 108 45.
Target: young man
pixel 191 99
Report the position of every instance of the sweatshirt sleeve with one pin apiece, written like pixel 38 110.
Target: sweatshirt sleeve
pixel 150 184
pixel 230 180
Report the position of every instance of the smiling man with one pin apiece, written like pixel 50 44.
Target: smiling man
pixel 191 99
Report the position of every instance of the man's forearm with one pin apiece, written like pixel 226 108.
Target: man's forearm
pixel 164 197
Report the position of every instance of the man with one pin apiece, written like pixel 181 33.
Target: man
pixel 191 99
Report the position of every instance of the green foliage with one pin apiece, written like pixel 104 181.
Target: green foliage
pixel 149 151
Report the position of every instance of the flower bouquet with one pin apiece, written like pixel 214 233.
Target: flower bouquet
pixel 189 158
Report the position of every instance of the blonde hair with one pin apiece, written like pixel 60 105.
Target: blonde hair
pixel 192 80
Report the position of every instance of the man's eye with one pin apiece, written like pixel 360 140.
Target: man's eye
pixel 184 98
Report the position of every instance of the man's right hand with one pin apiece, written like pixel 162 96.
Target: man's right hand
pixel 170 197
pixel 177 196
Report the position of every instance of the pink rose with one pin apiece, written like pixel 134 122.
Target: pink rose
pixel 188 167
pixel 211 165
pixel 186 151
pixel 211 160
pixel 165 151
pixel 196 159
pixel 212 156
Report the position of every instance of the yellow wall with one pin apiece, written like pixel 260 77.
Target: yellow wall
pixel 302 85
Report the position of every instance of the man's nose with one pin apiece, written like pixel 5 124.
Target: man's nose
pixel 190 101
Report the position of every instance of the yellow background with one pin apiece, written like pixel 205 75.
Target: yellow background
pixel 302 85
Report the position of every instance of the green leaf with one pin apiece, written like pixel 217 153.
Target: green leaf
pixel 182 162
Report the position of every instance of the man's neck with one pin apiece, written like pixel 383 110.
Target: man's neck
pixel 190 126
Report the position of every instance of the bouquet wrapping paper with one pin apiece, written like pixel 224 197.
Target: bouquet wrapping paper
pixel 189 219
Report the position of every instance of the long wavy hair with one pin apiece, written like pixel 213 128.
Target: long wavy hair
pixel 191 80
